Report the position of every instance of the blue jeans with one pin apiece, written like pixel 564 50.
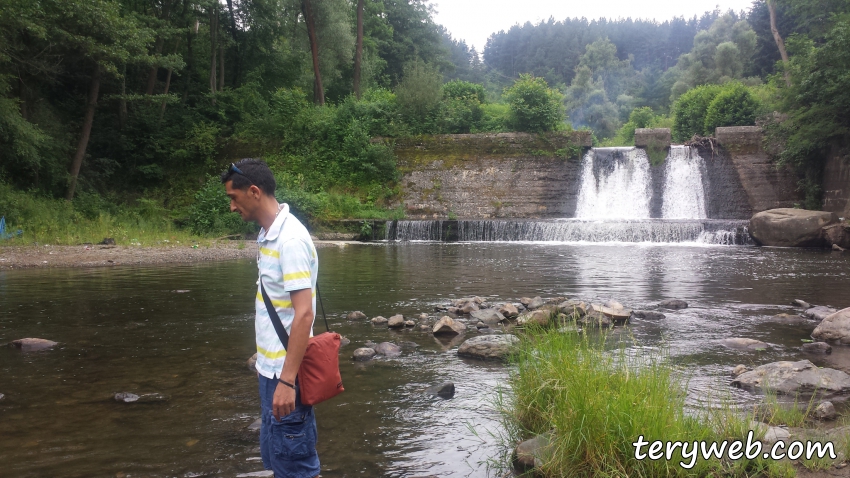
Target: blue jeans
pixel 288 446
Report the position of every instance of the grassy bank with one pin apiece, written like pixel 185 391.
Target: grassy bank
pixel 595 400
pixel 90 218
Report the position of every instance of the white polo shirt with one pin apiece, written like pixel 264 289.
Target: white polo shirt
pixel 287 262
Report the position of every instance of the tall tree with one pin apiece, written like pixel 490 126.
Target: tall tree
pixel 318 89
pixel 780 44
pixel 358 51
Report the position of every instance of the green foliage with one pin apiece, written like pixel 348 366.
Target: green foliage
pixel 720 54
pixel 535 107
pixel 816 104
pixel 210 214
pixel 734 106
pixel 690 109
pixel 419 95
pixel 462 112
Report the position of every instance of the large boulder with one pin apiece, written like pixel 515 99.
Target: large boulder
pixel 792 378
pixel 448 326
pixel 33 344
pixel 443 390
pixel 573 307
pixel 363 354
pixel 488 316
pixel 488 347
pixel 530 453
pixel 835 327
pixel 786 227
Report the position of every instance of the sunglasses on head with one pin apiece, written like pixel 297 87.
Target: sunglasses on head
pixel 235 169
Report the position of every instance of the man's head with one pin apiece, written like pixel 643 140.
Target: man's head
pixel 250 186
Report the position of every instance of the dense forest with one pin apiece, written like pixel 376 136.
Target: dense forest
pixel 115 115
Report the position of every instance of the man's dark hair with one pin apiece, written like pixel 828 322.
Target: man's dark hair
pixel 254 171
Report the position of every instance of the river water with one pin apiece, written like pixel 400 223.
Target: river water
pixel 186 331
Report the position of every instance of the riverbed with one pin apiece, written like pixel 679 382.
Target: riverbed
pixel 185 331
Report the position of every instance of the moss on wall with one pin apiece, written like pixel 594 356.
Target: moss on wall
pixel 421 152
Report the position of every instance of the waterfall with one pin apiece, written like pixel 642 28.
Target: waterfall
pixel 707 231
pixel 684 194
pixel 615 184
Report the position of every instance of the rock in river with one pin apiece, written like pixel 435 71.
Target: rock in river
pixel 509 311
pixel 744 344
pixel 356 315
pixel 674 304
pixel 443 390
pixel 127 397
pixel 825 411
pixel 488 347
pixel 537 317
pixel 379 320
pixel 363 354
pixel 529 453
pixel 795 377
pixel 648 314
pixel 395 322
pixel 787 227
pixel 33 344
pixel 822 348
pixel 835 327
pixel 488 316
pixel 448 326
pixel 388 349
pixel 819 312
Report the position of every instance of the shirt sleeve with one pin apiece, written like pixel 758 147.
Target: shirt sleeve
pixel 296 262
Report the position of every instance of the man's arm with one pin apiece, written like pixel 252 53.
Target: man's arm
pixel 284 397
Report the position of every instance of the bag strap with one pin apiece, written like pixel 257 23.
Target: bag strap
pixel 275 318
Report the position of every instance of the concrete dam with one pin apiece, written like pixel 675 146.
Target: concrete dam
pixel 556 188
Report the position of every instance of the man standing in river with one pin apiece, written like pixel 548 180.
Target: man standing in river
pixel 288 267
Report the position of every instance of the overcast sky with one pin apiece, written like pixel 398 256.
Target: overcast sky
pixel 475 20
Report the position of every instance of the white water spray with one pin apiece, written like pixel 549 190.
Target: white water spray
pixel 684 194
pixel 615 184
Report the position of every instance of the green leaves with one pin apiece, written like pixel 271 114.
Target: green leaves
pixel 535 108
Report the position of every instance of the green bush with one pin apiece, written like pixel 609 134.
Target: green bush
pixel 638 118
pixel 462 111
pixel 690 111
pixel 734 106
pixel 210 214
pixel 534 106
pixel 495 118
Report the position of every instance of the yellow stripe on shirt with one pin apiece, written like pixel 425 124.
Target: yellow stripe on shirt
pixel 270 252
pixel 296 275
pixel 271 355
pixel 283 304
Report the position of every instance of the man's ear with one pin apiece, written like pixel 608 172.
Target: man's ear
pixel 255 191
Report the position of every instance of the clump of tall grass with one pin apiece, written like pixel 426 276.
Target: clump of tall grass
pixel 594 401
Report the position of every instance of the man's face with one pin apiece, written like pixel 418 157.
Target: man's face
pixel 244 201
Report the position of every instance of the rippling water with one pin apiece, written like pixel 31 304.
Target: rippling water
pixel 128 329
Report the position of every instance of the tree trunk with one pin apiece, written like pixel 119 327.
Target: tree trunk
pixel 122 102
pixel 188 64
pixel 238 61
pixel 168 83
pixel 318 90
pixel 771 7
pixel 220 66
pixel 160 41
pixel 94 88
pixel 154 69
pixel 213 52
pixel 358 52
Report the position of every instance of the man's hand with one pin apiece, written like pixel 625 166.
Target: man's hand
pixel 283 402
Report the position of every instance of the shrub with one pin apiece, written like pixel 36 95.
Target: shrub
pixel 462 112
pixel 734 106
pixel 534 107
pixel 690 110
pixel 210 214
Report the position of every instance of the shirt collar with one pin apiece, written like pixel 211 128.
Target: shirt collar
pixel 277 225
